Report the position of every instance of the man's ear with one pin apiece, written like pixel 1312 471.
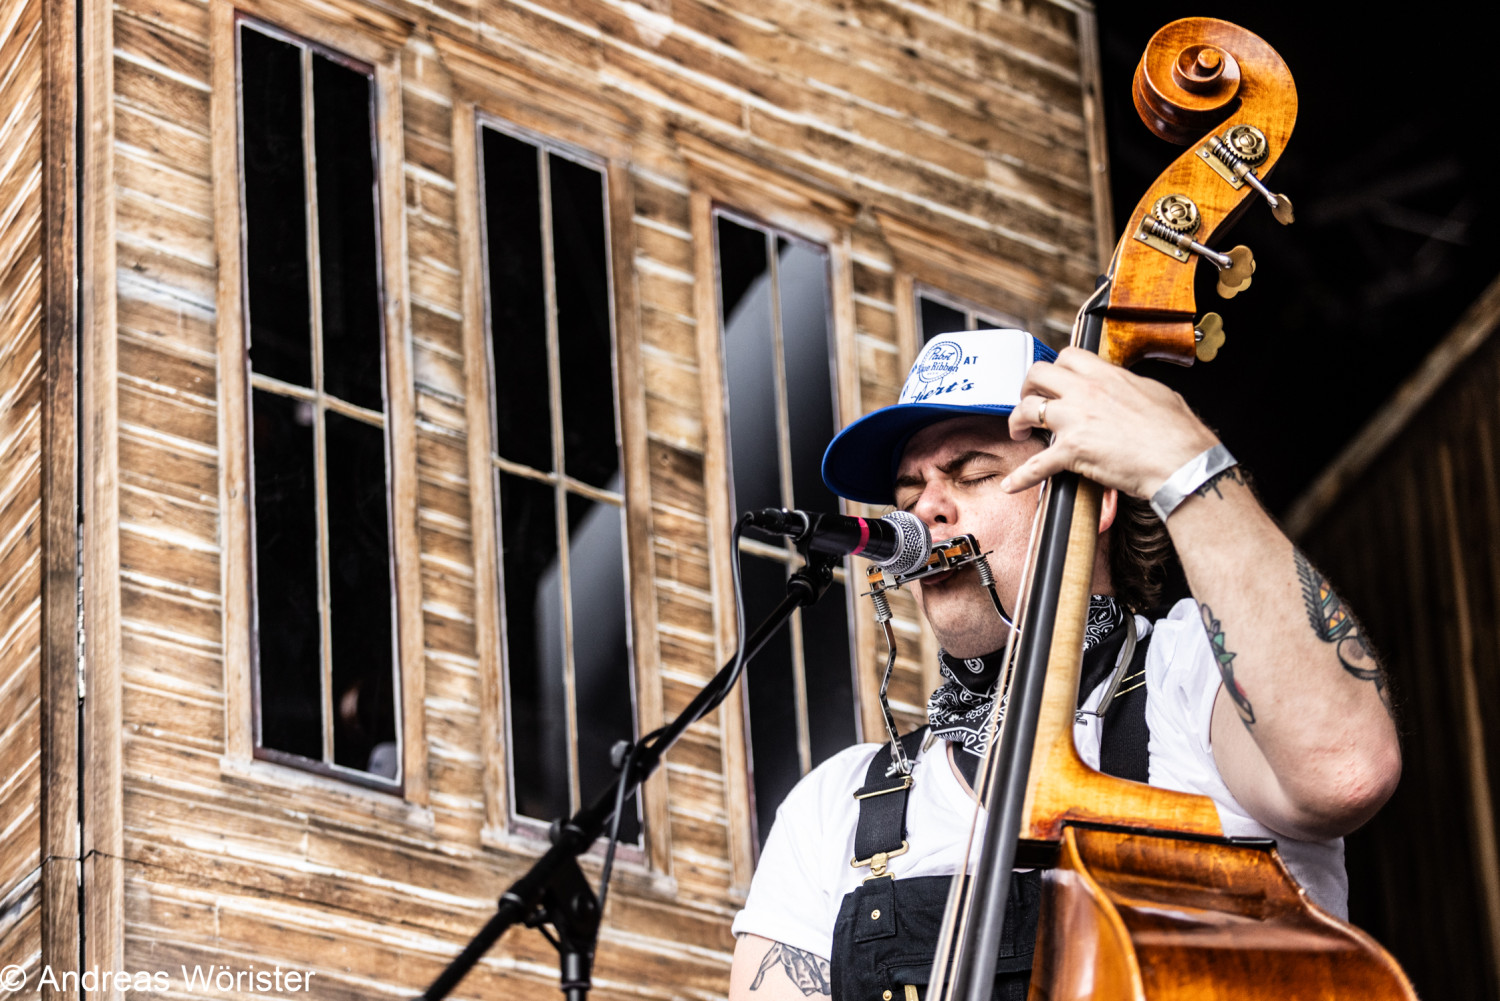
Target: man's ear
pixel 1109 505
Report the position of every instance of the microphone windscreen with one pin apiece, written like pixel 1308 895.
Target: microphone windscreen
pixel 914 543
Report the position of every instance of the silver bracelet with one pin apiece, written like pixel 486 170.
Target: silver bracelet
pixel 1189 477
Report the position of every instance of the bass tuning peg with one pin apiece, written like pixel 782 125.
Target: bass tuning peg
pixel 1234 274
pixel 1209 333
pixel 1169 227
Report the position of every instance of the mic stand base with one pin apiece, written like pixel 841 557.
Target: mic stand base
pixel 571 908
pixel 554 883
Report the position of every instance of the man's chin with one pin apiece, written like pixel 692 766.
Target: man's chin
pixel 958 635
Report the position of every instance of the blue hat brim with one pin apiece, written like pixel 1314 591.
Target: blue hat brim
pixel 862 460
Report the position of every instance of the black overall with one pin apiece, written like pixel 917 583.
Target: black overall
pixel 886 933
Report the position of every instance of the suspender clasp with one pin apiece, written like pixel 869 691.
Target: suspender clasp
pixel 877 862
pixel 867 793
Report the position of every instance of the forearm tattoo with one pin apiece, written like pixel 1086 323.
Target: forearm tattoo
pixel 1212 483
pixel 1224 658
pixel 809 973
pixel 1333 623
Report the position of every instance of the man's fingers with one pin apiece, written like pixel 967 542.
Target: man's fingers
pixel 1049 379
pixel 1079 360
pixel 1031 412
pixel 1033 471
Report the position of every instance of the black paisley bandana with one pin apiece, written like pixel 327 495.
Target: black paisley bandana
pixel 960 710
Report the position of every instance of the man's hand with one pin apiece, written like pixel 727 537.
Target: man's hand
pixel 774 971
pixel 1117 428
pixel 1302 729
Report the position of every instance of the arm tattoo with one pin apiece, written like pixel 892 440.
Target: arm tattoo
pixel 808 973
pixel 1212 483
pixel 1333 623
pixel 1225 659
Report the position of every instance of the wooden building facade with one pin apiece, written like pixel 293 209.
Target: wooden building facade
pixel 379 380
pixel 1423 478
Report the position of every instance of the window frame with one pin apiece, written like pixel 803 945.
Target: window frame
pixel 488 87
pixel 721 179
pixel 382 57
pixel 785 552
pixel 564 484
pixel 971 309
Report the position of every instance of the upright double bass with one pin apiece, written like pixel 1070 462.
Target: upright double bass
pixel 1144 898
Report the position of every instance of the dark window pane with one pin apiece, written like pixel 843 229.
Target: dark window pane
pixel 811 421
pixel 830 679
pixel 938 318
pixel 271 153
pixel 769 683
pixel 985 323
pixel 585 349
pixel 349 265
pixel 518 317
pixel 749 365
pixel 534 647
pixel 601 653
pixel 361 595
pixel 742 263
pixel 286 576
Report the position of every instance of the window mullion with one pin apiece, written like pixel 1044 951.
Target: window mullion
pixel 320 443
pixel 374 418
pixel 783 429
pixel 784 459
pixel 559 465
pixel 592 492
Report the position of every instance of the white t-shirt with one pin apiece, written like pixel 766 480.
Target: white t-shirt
pixel 804 869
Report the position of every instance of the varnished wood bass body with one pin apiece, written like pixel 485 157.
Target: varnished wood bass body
pixel 1131 916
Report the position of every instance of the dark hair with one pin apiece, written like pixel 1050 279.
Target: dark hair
pixel 1139 550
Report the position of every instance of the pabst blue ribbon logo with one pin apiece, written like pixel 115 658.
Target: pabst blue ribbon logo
pixel 941 360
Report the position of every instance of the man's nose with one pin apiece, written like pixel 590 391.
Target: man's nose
pixel 935 505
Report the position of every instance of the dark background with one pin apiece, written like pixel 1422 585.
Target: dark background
pixel 1392 168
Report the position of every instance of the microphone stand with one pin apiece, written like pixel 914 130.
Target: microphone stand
pixel 554 891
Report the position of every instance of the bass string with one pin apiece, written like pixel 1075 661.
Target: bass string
pixel 957 912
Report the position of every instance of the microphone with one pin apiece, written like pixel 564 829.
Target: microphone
pixel 898 542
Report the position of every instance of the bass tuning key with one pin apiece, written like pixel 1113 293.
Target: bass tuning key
pixel 1235 157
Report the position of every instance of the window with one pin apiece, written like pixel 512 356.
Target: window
pixel 938 313
pixel 323 595
pixel 778 360
pixel 555 456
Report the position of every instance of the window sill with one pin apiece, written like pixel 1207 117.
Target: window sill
pixel 381 806
pixel 631 873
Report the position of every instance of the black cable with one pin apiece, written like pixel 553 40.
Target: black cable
pixel 739 620
pixel 627 767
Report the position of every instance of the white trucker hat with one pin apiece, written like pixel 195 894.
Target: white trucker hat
pixel 970 372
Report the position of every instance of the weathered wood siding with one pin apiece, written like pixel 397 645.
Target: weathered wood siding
pixel 21 303
pixel 954 135
pixel 1407 526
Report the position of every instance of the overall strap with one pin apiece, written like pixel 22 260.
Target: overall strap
pixel 1124 750
pixel 1124 742
pixel 880 832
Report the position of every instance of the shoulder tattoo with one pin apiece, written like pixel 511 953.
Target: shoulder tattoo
pixel 1333 623
pixel 809 973
pixel 1224 658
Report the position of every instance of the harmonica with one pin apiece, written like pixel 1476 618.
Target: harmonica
pixel 952 554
